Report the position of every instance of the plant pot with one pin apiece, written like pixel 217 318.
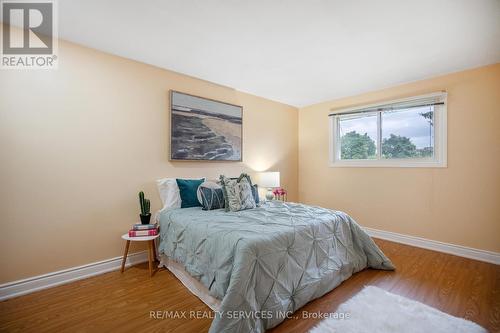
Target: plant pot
pixel 145 218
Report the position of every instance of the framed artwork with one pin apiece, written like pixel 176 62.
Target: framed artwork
pixel 203 129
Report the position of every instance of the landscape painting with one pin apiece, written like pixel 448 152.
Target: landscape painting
pixel 204 129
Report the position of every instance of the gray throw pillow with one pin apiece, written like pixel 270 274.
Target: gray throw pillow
pixel 237 193
pixel 255 193
pixel 211 196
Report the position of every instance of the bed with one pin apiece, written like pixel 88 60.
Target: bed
pixel 255 267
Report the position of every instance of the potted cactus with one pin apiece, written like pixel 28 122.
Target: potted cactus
pixel 145 209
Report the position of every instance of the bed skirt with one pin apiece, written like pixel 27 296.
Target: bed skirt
pixel 193 285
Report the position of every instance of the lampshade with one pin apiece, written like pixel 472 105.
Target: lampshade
pixel 269 179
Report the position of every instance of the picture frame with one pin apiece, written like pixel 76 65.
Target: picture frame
pixel 204 129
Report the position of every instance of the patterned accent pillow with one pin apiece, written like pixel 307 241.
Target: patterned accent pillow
pixel 231 195
pixel 255 187
pixel 246 195
pixel 211 196
pixel 237 193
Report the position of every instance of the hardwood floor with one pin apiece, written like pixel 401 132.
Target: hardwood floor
pixel 120 303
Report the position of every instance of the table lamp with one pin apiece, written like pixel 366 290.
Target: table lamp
pixel 269 180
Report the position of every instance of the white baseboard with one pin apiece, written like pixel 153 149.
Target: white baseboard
pixel 35 283
pixel 29 285
pixel 458 250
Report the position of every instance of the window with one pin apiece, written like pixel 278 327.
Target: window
pixel 404 133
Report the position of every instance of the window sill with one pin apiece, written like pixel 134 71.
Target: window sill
pixel 388 164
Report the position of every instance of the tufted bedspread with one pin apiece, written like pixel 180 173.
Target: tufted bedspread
pixel 267 262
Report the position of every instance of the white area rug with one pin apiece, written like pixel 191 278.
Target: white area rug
pixel 374 310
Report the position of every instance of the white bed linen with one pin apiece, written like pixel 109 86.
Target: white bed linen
pixel 193 285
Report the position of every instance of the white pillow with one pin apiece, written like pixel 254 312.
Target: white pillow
pixel 169 192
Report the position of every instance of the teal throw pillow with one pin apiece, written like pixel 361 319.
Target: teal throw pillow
pixel 187 191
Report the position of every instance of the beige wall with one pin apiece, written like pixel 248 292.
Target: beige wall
pixel 78 143
pixel 459 204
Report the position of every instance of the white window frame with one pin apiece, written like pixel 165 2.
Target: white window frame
pixel 439 160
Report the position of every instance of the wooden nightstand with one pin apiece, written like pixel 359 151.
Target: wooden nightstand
pixel 151 249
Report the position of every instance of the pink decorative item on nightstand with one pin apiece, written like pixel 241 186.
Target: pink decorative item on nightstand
pixel 280 194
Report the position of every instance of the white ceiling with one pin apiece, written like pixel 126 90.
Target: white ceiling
pixel 296 52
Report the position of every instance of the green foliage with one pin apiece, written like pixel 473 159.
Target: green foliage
pixel 357 146
pixel 429 116
pixel 425 152
pixel 145 204
pixel 397 146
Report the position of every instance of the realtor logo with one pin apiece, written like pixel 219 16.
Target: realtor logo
pixel 29 34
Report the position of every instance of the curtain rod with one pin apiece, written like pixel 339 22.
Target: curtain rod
pixel 392 108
